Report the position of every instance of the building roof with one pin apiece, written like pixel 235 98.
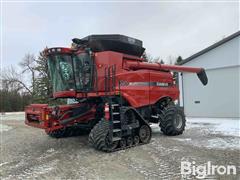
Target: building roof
pixel 210 47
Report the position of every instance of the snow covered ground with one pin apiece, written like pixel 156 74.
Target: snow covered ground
pixel 210 133
pixel 222 132
pixel 226 126
pixel 4 127
pixel 12 116
pixel 28 153
pixel 15 116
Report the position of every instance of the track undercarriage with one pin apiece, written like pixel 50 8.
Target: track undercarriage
pixel 121 127
pixel 118 128
pixel 124 129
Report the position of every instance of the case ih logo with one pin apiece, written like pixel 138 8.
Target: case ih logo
pixel 160 84
pixel 124 83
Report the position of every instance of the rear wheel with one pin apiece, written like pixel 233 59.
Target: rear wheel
pixel 173 121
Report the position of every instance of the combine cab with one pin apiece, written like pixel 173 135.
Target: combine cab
pixel 117 93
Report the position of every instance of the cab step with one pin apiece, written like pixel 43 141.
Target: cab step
pixel 116 139
pixel 116 130
pixel 116 121
pixel 116 113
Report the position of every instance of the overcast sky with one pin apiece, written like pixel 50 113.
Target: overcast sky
pixel 165 28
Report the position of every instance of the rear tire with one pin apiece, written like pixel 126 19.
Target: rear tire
pixel 173 121
pixel 99 139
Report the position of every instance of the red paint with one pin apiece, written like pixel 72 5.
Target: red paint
pixel 130 71
pixel 41 110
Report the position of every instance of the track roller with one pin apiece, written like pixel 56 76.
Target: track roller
pixel 123 143
pixel 136 140
pixel 145 134
pixel 129 141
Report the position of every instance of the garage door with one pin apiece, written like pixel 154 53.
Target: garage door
pixel 220 98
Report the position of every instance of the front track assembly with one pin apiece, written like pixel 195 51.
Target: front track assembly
pixel 125 129
pixel 104 138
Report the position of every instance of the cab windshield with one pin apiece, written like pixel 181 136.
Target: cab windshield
pixel 70 72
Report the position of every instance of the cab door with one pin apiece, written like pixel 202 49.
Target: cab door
pixel 83 70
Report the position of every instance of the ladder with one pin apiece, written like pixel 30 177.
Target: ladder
pixel 115 121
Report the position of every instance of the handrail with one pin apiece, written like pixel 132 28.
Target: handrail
pixel 109 79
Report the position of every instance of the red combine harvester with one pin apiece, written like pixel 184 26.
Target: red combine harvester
pixel 117 93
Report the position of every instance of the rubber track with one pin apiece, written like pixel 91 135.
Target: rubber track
pixel 98 133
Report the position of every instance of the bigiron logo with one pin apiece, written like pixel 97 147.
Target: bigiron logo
pixel 208 169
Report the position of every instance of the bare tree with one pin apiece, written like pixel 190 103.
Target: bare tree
pixel 147 57
pixel 171 59
pixel 29 65
pixel 12 80
pixel 161 61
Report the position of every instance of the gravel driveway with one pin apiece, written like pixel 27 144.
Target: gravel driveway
pixel 28 153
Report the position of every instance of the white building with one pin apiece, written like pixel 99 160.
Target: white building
pixel 220 97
